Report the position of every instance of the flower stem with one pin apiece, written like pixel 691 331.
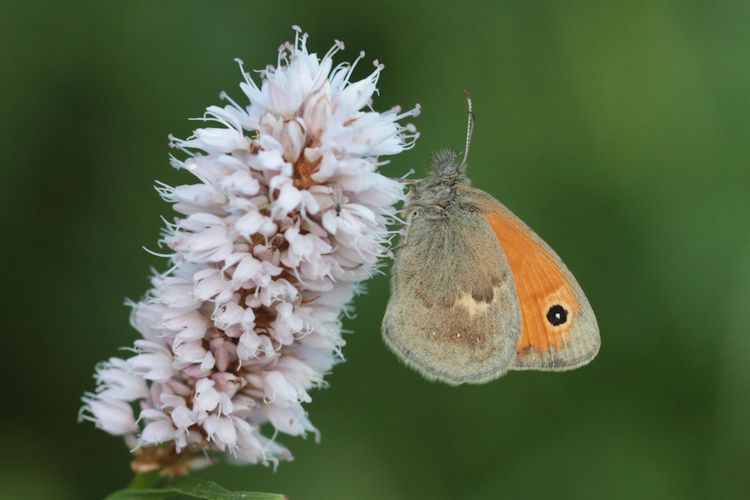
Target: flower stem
pixel 144 481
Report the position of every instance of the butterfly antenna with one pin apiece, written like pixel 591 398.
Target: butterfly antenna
pixel 469 131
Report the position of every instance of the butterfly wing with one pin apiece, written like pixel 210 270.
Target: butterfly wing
pixel 453 314
pixel 559 329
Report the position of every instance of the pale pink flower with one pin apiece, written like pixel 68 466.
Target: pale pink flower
pixel 288 215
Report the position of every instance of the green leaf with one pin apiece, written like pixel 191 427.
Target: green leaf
pixel 192 488
pixel 137 494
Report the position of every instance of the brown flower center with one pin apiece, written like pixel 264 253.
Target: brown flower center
pixel 304 169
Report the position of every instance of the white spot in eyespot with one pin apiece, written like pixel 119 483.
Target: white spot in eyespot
pixel 458 335
pixel 433 334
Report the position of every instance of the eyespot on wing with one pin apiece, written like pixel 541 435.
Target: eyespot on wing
pixel 559 329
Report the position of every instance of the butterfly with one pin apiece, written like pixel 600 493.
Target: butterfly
pixel 475 292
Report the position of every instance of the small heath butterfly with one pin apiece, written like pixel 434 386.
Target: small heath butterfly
pixel 475 292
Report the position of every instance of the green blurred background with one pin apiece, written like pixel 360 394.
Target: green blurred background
pixel 618 130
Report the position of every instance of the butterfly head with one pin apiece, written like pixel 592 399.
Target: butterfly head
pixel 446 163
pixel 447 172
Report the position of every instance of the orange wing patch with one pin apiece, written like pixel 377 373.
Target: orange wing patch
pixel 548 304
